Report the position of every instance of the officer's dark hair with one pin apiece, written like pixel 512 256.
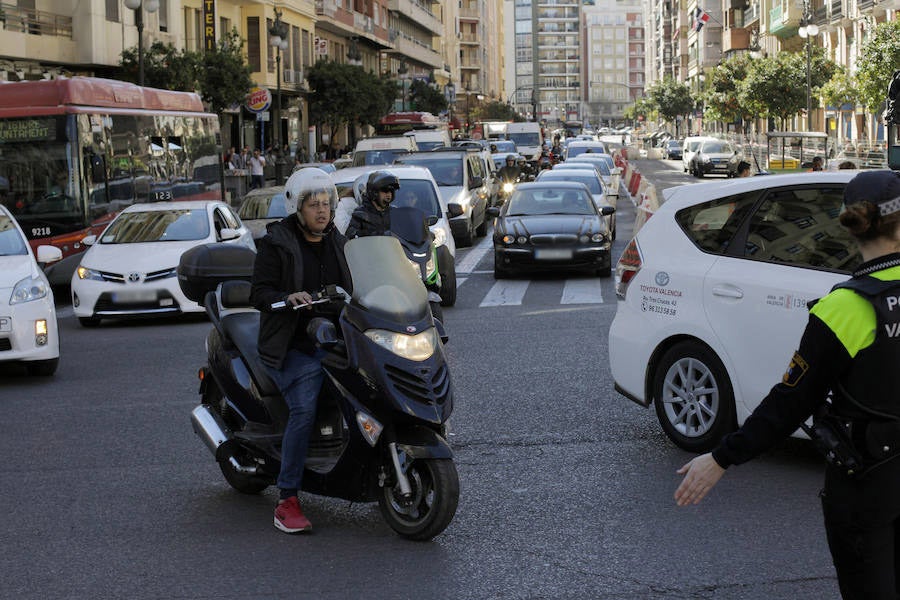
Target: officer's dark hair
pixel 864 222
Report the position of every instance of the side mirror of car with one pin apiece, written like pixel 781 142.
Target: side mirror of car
pixel 227 233
pixel 431 220
pixel 607 210
pixel 492 211
pixel 476 182
pixel 454 209
pixel 89 240
pixel 48 254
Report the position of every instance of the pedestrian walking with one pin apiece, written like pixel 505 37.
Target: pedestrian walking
pixel 257 174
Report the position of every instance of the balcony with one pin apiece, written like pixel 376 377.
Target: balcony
pixel 470 39
pixel 820 16
pixel 784 23
pixel 417 51
pixel 34 22
pixel 418 13
pixel 864 5
pixel 751 14
pixel 469 14
pixel 735 38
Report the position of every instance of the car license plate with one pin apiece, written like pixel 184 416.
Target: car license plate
pixel 5 324
pixel 553 254
pixel 134 296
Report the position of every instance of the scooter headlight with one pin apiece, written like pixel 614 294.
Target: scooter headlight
pixel 369 427
pixel 508 187
pixel 417 347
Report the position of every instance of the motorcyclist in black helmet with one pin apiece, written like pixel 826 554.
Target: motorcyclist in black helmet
pixel 511 172
pixel 373 217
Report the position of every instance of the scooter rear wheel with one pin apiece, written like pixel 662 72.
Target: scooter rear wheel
pixel 432 504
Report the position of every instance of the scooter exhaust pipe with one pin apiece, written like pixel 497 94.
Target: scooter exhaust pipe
pixel 212 430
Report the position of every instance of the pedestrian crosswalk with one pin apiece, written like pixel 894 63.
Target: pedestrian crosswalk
pixel 477 286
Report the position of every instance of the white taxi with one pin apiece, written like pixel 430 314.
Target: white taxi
pixel 28 330
pixel 712 296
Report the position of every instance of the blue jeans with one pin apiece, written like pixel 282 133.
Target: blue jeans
pixel 299 379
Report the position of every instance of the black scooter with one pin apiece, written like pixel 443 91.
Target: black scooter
pixel 381 425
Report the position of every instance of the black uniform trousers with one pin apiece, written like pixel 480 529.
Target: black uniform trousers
pixel 862 521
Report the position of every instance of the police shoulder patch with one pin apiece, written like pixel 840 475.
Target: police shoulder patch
pixel 795 371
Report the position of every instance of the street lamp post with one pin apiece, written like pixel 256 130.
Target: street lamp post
pixel 278 34
pixel 402 70
pixel 808 30
pixel 138 6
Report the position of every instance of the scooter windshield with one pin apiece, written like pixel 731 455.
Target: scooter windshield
pixel 383 281
pixel 408 222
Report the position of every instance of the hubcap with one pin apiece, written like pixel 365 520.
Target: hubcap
pixel 690 397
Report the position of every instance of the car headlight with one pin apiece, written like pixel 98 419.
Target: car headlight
pixel 440 236
pixel 704 159
pixel 85 273
pixel 413 347
pixel 30 288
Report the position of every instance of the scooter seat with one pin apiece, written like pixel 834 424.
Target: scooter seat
pixel 243 330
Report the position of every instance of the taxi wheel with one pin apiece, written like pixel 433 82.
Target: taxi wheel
pixel 693 397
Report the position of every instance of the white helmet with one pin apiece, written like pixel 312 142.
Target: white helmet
pixel 305 183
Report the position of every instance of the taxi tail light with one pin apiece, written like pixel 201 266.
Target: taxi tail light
pixel 627 267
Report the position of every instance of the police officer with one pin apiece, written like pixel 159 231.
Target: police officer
pixel 373 217
pixel 851 346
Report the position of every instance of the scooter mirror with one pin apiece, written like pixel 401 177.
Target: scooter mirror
pixel 323 331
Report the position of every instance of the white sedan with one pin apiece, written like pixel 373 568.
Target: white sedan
pixel 712 296
pixel 130 269
pixel 28 331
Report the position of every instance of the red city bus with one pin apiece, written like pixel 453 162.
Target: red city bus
pixel 74 152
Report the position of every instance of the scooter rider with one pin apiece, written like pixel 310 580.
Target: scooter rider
pixel 373 217
pixel 851 346
pixel 298 256
pixel 511 172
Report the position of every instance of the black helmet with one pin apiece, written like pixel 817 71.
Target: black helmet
pixel 381 181
pixel 510 158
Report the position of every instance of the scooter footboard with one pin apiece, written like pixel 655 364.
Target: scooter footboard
pixel 421 442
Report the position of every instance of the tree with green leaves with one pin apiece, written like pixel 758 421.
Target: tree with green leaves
pixel 336 99
pixel 223 78
pixel 722 96
pixel 880 58
pixel 165 67
pixel 841 89
pixel 495 111
pixel 671 98
pixel 423 97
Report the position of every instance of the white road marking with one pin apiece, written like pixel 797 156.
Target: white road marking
pixel 506 293
pixel 467 264
pixel 460 281
pixel 582 291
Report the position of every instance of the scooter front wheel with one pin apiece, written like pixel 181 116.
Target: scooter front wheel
pixel 428 510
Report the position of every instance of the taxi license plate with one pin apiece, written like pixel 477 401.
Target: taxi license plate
pixel 5 324
pixel 553 254
pixel 134 296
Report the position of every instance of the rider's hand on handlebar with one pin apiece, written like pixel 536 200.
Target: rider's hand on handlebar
pixel 300 298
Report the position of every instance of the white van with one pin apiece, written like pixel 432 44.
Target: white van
pixel 429 139
pixel 380 150
pixel 528 137
pixel 689 148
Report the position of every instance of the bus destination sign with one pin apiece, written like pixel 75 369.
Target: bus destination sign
pixel 27 130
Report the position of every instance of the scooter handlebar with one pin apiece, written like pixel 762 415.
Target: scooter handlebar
pixel 330 293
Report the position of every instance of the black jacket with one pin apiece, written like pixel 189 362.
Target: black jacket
pixel 507 173
pixel 277 273
pixel 368 220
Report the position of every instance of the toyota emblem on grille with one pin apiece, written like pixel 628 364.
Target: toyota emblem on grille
pixel 134 277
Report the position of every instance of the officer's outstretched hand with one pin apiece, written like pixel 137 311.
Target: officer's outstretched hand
pixel 701 474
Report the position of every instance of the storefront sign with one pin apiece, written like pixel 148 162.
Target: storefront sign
pixel 209 24
pixel 259 99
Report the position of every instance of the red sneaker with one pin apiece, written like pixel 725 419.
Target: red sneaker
pixel 289 517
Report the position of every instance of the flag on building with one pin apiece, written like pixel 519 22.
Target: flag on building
pixel 700 18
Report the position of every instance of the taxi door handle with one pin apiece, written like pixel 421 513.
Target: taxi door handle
pixel 727 291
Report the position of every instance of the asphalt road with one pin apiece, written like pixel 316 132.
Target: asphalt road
pixel 566 487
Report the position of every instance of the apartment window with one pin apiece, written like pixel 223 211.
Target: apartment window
pixel 306 60
pixel 164 15
pixel 224 27
pixel 253 50
pixel 112 10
